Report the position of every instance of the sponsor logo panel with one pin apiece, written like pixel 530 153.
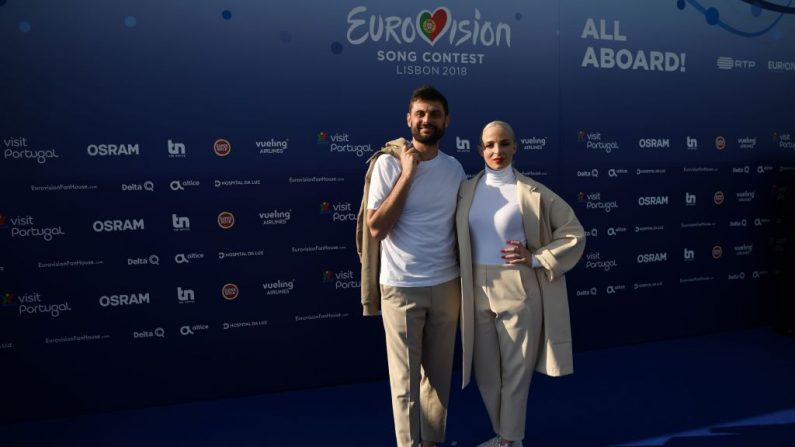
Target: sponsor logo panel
pixel 230 291
pixel 61 187
pixel 315 179
pixel 228 255
pixel 778 66
pixel 182 185
pixel 730 63
pixel 338 211
pixel 533 143
pixel 594 260
pixel 18 148
pixel 147 185
pixel 71 263
pixel 27 227
pixel 118 225
pixel 225 183
pixel 33 304
pixel 226 220
pixel 113 150
pixel 76 338
pixel 783 140
pixel 275 216
pixel 176 149
pixel 279 287
pixel 341 280
pixel 232 325
pixel 124 299
pixel 595 141
pixel 594 201
pixel 148 260
pixel 187 258
pixel 192 329
pixel 342 143
pixel 272 146
pixel 222 147
pixel 157 332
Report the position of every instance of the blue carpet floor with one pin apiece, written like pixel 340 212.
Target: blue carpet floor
pixel 729 389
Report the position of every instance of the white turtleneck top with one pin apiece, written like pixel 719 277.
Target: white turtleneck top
pixel 494 217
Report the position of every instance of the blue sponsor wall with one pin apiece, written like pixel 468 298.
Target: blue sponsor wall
pixel 180 179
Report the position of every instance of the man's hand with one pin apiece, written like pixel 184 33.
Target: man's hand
pixel 409 160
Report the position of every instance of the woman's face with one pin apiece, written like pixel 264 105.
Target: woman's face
pixel 497 147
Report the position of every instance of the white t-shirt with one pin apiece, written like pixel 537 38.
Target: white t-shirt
pixel 420 249
pixel 494 217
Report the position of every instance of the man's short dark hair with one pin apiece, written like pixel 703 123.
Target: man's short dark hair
pixel 428 93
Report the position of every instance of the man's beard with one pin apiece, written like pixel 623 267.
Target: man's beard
pixel 431 139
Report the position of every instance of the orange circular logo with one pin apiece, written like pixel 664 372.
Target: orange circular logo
pixel 720 143
pixel 226 220
pixel 222 147
pixel 230 291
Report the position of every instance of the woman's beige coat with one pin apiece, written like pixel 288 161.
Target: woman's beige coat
pixel 557 239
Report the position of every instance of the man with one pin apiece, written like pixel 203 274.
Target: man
pixel 410 209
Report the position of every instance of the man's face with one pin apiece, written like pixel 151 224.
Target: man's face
pixel 427 121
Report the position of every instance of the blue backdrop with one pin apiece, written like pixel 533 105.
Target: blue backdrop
pixel 180 179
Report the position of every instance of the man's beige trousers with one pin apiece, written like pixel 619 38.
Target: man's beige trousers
pixel 420 325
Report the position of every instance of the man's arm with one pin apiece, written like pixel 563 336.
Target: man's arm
pixel 381 221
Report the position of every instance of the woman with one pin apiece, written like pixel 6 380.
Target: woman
pixel 516 239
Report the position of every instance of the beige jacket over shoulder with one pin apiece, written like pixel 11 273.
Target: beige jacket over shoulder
pixel 368 247
pixel 556 238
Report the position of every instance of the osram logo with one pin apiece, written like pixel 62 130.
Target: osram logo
pixel 106 226
pixel 646 258
pixel 124 300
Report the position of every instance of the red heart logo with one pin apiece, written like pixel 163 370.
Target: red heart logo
pixel 432 26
